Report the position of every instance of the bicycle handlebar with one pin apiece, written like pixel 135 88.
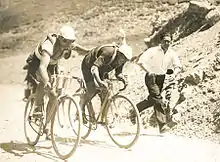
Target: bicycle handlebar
pixel 110 84
pixel 79 80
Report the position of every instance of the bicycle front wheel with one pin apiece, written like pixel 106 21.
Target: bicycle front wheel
pixel 33 125
pixel 65 138
pixel 86 127
pixel 123 126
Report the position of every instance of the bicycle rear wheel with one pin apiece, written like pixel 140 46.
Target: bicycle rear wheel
pixel 86 127
pixel 33 125
pixel 65 139
pixel 122 129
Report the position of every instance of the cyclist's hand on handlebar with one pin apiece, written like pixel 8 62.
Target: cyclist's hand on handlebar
pixel 51 89
pixel 104 84
pixel 125 86
pixel 125 82
pixel 101 84
pixel 53 92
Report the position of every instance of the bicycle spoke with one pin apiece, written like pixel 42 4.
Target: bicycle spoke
pixel 65 138
pixel 120 127
pixel 86 126
pixel 32 124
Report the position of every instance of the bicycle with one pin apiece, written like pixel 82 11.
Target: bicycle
pixel 112 116
pixel 38 124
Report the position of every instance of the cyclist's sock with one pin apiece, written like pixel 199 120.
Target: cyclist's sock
pixel 48 134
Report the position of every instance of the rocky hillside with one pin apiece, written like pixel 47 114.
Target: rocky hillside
pixel 95 21
pixel 194 27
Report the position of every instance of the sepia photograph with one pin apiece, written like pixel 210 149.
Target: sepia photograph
pixel 110 80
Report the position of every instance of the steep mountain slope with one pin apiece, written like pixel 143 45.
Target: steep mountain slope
pixel 94 24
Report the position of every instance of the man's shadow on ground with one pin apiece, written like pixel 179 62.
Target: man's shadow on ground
pixel 19 149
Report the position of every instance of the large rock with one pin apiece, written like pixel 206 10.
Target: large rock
pixel 216 1
pixel 216 64
pixel 209 73
pixel 183 24
pixel 199 7
pixel 195 77
pixel 212 17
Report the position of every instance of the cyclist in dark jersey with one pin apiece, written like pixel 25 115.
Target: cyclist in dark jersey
pixel 99 62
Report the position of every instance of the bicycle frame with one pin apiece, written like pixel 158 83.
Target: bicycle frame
pixel 52 109
pixel 106 100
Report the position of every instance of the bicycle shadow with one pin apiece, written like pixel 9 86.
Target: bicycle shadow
pixel 96 143
pixel 20 149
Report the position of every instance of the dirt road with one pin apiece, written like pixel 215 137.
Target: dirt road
pixel 98 147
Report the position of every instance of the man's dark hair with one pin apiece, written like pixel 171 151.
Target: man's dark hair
pixel 166 35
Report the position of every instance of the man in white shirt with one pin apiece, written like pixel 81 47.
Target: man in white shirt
pixel 158 61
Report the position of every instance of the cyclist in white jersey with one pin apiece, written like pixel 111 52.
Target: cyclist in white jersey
pixel 44 62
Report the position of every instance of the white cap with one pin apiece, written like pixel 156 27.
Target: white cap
pixel 126 50
pixel 67 32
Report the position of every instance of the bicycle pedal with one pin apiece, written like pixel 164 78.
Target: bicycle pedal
pixel 102 123
pixel 94 127
pixel 37 114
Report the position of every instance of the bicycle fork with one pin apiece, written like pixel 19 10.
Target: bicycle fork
pixel 50 112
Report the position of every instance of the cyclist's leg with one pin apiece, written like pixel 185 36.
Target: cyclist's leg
pixel 39 98
pixel 86 99
pixel 102 96
pixel 50 109
pixel 53 101
pixel 51 106
pixel 90 85
pixel 27 91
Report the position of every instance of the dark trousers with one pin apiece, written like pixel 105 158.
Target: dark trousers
pixel 154 85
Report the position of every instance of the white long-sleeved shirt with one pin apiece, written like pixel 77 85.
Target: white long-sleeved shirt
pixel 155 61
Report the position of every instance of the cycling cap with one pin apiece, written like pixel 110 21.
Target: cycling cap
pixel 126 51
pixel 67 32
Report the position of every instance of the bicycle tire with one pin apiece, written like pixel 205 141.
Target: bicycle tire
pixel 59 116
pixel 86 130
pixel 39 131
pixel 115 117
pixel 77 140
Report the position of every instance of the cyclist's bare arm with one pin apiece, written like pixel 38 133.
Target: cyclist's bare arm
pixel 95 73
pixel 44 62
pixel 99 62
pixel 79 49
